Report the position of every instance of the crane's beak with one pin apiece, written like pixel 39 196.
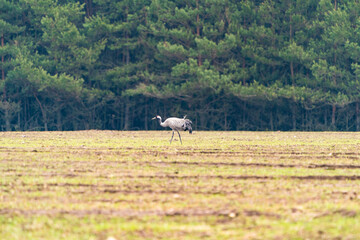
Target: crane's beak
pixel 153 118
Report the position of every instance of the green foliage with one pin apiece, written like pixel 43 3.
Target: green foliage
pixel 105 64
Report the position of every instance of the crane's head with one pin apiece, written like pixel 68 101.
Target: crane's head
pixel 157 117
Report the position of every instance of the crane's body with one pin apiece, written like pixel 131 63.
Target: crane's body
pixel 176 124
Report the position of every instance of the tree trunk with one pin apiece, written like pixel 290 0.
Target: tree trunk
pixel 127 51
pixel 357 117
pixel 127 54
pixel 244 67
pixel 325 117
pixel 45 121
pixel 146 119
pixel 244 60
pixel 225 121
pixel 7 119
pixel 58 120
pixel 244 115
pixel 43 112
pixel 89 9
pixel 2 61
pixel 7 116
pixel 291 39
pixel 126 117
pixel 293 108
pixel 333 115
pixel 292 73
pixel 198 30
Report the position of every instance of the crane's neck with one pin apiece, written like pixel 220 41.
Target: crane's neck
pixel 163 124
pixel 159 118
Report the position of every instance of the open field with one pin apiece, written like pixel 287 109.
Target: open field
pixel 217 185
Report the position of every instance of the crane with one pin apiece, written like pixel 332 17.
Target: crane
pixel 176 124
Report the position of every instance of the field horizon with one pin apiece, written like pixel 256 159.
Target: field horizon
pixel 96 184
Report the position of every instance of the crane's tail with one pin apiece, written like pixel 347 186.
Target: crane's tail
pixel 187 126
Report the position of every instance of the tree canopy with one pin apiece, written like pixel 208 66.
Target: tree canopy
pixel 227 65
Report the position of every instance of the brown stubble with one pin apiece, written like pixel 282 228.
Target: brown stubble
pixel 243 184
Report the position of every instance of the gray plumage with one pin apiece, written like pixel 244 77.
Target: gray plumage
pixel 176 124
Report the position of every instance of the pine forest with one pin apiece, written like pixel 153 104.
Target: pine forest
pixel 227 64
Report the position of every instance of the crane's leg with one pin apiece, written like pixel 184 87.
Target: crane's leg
pixel 179 136
pixel 172 136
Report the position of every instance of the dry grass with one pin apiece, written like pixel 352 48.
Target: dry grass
pixel 217 185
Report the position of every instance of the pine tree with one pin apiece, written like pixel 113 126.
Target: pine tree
pixel 8 32
pixel 331 71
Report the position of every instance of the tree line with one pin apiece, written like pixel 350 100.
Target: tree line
pixel 227 65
